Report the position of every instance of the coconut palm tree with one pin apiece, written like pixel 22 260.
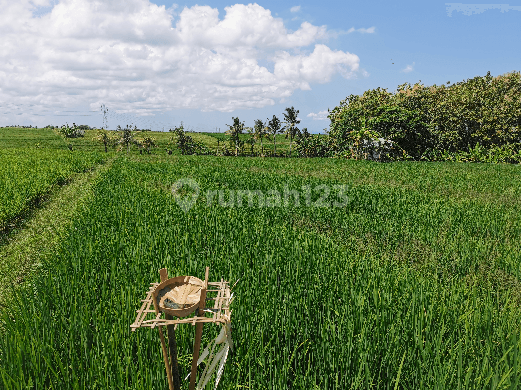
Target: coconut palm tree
pixel 261 131
pixel 290 124
pixel 274 128
pixel 251 139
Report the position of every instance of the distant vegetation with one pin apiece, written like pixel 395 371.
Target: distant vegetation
pixel 474 120
pixel 240 140
pixel 478 120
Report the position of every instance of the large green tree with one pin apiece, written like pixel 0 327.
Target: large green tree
pixel 426 122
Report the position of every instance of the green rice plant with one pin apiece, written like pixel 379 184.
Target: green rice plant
pixel 28 174
pixel 404 287
pixel 28 138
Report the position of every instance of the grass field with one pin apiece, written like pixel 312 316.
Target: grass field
pixel 412 284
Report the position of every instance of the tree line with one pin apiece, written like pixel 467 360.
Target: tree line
pixel 474 120
pixel 262 131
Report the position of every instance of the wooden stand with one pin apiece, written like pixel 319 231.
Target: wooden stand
pixel 220 315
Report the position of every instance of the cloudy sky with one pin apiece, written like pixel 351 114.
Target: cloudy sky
pixel 157 63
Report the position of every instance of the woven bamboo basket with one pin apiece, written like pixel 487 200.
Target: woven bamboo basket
pixel 179 296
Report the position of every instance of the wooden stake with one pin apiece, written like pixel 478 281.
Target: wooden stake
pixel 163 347
pixel 172 344
pixel 198 331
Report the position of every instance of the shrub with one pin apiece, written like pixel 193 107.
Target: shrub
pixel 71 132
pixel 186 144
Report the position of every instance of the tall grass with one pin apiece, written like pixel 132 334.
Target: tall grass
pixel 400 284
pixel 27 174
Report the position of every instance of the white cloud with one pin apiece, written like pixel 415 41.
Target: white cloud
pixel 408 68
pixel 295 8
pixel 369 30
pixel 321 116
pixel 470 9
pixel 136 56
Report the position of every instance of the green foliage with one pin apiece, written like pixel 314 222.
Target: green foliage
pixel 147 143
pixel 126 137
pixel 72 132
pixel 509 153
pixel 186 144
pixel 234 131
pixel 252 139
pixel 106 138
pixel 261 132
pixel 312 145
pixel 274 128
pixel 290 124
pixel 404 287
pixel 425 123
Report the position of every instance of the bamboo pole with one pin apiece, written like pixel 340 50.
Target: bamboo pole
pixel 198 332
pixel 172 344
pixel 163 348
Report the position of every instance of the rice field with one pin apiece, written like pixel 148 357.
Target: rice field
pixel 412 284
pixel 27 174
pixel 11 137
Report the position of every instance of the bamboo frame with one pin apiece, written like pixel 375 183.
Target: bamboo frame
pixel 151 318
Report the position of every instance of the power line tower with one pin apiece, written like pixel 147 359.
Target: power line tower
pixel 105 111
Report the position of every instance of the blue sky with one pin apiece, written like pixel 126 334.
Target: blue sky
pixel 155 64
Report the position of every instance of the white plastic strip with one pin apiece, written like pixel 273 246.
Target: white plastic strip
pixel 204 379
pixel 221 365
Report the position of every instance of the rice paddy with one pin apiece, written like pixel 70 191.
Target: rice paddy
pixel 412 284
pixel 27 174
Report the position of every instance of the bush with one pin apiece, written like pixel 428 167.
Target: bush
pixel 478 119
pixel 186 144
pixel 312 146
pixel 71 132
